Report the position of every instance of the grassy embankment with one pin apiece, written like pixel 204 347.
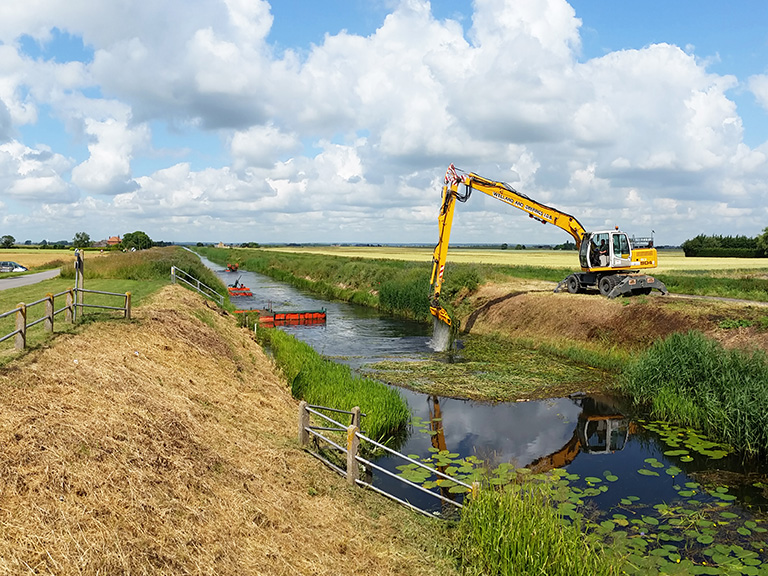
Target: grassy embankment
pixel 322 382
pixel 166 445
pixel 140 273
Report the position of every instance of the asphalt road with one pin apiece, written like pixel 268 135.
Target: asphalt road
pixel 26 280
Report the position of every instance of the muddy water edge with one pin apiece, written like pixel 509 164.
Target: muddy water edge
pixel 648 485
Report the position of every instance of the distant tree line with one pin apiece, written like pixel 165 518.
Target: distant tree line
pixel 138 240
pixel 727 246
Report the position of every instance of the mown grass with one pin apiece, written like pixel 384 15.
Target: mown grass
pixel 691 380
pixel 322 382
pixel 516 531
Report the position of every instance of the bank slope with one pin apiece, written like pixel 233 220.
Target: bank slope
pixel 166 445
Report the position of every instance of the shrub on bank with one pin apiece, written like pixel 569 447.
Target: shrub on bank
pixel 692 380
pixel 325 383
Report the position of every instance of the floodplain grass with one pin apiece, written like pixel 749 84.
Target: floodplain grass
pixel 692 380
pixel 517 531
pixel 323 382
pixel 36 259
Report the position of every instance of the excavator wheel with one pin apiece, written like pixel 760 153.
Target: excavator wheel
pixel 573 284
pixel 606 284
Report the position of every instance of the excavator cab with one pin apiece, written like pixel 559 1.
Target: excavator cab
pixel 605 250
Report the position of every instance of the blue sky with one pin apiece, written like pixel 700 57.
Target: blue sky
pixel 334 121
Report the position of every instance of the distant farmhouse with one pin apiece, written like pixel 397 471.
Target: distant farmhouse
pixel 108 243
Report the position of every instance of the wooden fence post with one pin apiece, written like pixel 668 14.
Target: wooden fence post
pixel 303 423
pixel 128 305
pixel 49 312
pixel 356 416
pixel 70 314
pixel 353 444
pixel 173 274
pixel 475 490
pixel 21 326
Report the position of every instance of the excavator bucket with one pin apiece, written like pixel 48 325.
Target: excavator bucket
pixel 440 314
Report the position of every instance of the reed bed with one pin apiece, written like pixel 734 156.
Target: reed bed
pixel 517 531
pixel 323 382
pixel 692 380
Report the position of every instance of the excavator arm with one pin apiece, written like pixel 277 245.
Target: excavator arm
pixel 500 191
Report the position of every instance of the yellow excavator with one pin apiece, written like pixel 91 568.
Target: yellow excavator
pixel 609 261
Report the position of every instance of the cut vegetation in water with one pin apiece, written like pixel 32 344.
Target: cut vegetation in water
pixel 494 369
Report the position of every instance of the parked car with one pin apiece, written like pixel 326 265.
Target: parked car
pixel 12 267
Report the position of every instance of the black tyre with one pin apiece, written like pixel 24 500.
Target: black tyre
pixel 572 283
pixel 605 285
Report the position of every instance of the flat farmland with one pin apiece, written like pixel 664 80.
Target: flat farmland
pixel 32 258
pixel 669 260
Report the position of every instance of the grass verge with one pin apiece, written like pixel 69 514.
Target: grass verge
pixel 141 273
pixel 325 383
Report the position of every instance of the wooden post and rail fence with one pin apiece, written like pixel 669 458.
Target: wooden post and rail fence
pixel 74 300
pixel 354 440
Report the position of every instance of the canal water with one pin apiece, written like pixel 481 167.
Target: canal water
pixel 620 466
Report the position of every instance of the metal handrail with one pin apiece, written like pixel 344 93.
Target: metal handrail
pixel 198 286
pixel 314 431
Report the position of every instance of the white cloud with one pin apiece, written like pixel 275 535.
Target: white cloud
pixel 758 85
pixel 350 138
pixel 34 175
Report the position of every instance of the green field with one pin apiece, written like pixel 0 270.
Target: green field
pixel 669 260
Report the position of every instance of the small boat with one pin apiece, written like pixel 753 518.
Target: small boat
pixel 238 289
pixel 242 291
pixel 234 267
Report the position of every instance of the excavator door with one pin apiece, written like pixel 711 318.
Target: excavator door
pixel 621 255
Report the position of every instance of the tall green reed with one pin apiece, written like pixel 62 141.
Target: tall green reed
pixel 692 380
pixel 516 531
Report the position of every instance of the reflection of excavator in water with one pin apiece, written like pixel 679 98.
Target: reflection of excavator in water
pixel 608 260
pixel 600 429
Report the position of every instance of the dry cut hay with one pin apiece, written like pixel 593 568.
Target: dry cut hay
pixel 588 318
pixel 166 446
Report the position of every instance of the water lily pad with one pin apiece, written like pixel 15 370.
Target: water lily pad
pixel 646 472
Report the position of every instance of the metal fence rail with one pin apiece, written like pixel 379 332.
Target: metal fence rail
pixel 354 439
pixel 23 322
pixel 126 307
pixel 177 274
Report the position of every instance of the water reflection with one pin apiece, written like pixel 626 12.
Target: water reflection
pixel 587 436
